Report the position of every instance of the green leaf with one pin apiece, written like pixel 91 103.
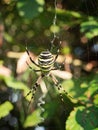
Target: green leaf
pixel 33 119
pixel 50 109
pixel 75 88
pixel 13 83
pixel 96 99
pixel 93 88
pixel 54 29
pixel 90 28
pixel 8 37
pixel 30 8
pixel 5 108
pixel 36 117
pixel 82 88
pixel 96 129
pixel 82 118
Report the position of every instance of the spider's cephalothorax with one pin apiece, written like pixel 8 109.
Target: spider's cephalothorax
pixel 46 61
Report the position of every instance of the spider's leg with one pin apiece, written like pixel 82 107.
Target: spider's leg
pixel 54 69
pixel 32 91
pixel 30 67
pixel 59 87
pixel 34 88
pixel 56 56
pixel 31 58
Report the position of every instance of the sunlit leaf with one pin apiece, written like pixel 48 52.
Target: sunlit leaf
pixel 33 119
pixel 66 50
pixel 5 108
pixel 90 28
pixel 8 37
pixel 82 88
pixel 13 83
pixel 82 118
pixel 54 29
pixel 93 88
pixel 96 99
pixel 73 87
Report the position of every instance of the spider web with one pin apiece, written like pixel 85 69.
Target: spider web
pixel 87 49
pixel 91 9
pixel 87 52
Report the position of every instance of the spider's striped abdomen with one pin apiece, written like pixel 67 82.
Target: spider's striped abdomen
pixel 46 61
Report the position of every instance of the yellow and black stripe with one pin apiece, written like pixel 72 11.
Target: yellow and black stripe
pixel 46 61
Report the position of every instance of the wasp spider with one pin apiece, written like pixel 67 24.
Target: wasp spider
pixel 45 64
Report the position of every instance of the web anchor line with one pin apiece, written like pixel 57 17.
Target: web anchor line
pixel 54 24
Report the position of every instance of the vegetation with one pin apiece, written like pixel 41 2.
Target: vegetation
pixel 30 22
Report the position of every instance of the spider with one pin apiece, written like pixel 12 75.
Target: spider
pixel 46 62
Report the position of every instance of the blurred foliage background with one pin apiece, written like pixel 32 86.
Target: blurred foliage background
pixel 31 22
